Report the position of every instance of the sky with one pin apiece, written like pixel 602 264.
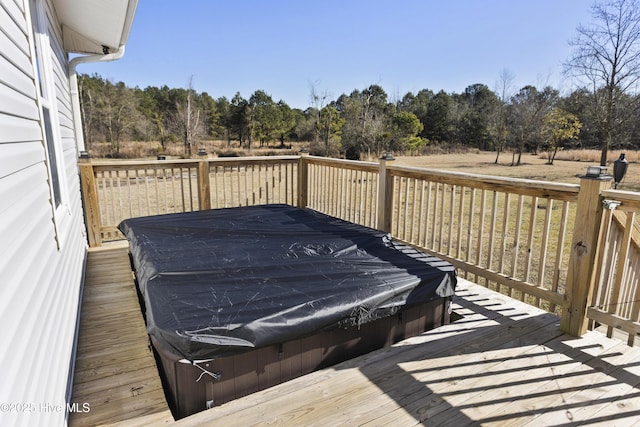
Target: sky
pixel 286 47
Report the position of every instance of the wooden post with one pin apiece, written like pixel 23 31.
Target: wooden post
pixel 303 179
pixel 204 185
pixel 385 194
pixel 90 202
pixel 580 274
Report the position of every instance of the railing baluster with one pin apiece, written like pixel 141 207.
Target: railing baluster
pixel 434 224
pixel 266 184
pixel 114 195
pixel 406 207
pixel 421 218
pixel 286 184
pixel 163 184
pixel 414 202
pixel 157 189
pixel 470 234
pixel 505 232
pixel 531 236
pixel 401 215
pixel 340 192
pixel 332 190
pixel 256 184
pixel 544 240
pixel 441 220
pixel 560 251
pixel 353 196
pixel 452 207
pixel 344 189
pixel 492 234
pixel 232 198
pixel 120 191
pixel 620 267
pixel 634 296
pixel 516 239
pixel 483 205
pixel 129 195
pixel 460 222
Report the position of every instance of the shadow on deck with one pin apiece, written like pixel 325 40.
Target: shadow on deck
pixel 503 363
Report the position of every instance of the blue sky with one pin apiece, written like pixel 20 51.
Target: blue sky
pixel 282 46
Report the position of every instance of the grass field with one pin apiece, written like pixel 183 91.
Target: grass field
pixel 532 167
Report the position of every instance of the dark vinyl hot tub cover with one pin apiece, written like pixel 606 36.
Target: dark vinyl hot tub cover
pixel 224 281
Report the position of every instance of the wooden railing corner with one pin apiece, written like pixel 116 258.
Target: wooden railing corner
pixel 581 267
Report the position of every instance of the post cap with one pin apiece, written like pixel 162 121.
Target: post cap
pixel 597 172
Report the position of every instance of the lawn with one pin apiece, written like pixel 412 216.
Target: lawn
pixel 532 167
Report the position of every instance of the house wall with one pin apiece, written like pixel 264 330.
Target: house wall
pixel 42 249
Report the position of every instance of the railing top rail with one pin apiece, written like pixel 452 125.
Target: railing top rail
pixel 102 165
pixel 346 164
pixel 554 190
pixel 630 199
pixel 254 159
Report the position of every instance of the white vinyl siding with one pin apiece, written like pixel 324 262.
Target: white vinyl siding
pixel 39 279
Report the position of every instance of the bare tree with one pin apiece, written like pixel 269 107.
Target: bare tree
pixel 318 101
pixel 606 57
pixel 504 91
pixel 188 120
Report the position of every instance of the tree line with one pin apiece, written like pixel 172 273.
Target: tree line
pixel 364 122
pixel 603 112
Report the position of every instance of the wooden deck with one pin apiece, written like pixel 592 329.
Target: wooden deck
pixel 115 370
pixel 503 363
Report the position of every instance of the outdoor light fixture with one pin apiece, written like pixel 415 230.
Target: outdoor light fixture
pixel 84 155
pixel 202 152
pixel 304 149
pixel 596 171
pixel 387 156
pixel 619 169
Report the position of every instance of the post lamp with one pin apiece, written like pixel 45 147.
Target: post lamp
pixel 597 172
pixel 202 152
pixel 619 169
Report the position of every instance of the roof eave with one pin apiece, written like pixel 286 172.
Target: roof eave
pixel 95 26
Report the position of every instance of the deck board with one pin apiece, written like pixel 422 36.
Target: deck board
pixel 115 373
pixel 504 363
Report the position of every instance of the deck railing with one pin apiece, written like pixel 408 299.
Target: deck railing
pixel 343 188
pixel 511 235
pixel 114 191
pixel 549 244
pixel 616 294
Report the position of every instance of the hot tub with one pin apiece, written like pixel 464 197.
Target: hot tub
pixel 237 300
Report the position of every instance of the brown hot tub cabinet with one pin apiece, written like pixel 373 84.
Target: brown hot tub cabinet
pixel 192 389
pixel 238 300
